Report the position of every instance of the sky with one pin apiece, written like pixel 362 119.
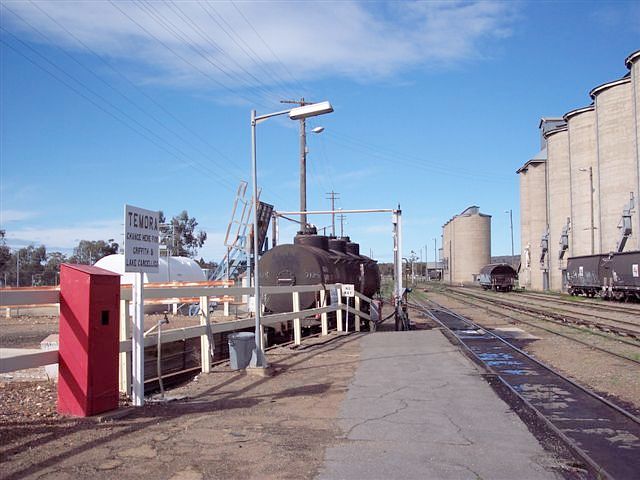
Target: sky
pixel 436 105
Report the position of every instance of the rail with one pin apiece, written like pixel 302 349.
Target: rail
pixel 202 293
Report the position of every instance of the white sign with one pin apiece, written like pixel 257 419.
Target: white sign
pixel 348 290
pixel 634 268
pixel 141 240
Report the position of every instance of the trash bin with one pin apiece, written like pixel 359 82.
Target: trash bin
pixel 241 345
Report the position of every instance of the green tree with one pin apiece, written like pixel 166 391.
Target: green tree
pixel 180 236
pixel 89 252
pixel 51 270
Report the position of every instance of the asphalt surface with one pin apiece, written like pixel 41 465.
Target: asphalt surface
pixel 417 408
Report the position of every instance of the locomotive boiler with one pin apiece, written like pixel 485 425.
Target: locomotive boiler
pixel 316 259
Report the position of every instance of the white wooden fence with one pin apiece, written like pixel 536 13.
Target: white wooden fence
pixel 18 359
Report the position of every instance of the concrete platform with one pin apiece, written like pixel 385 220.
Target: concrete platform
pixel 419 409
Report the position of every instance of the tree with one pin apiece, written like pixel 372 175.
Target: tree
pixel 52 268
pixel 5 253
pixel 89 252
pixel 179 235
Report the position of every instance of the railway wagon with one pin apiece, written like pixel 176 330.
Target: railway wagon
pixel 622 279
pixel 586 274
pixel 500 277
pixel 316 259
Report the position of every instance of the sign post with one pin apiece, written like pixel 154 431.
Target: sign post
pixel 348 291
pixel 141 242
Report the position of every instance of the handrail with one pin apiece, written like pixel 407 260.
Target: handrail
pixel 13 359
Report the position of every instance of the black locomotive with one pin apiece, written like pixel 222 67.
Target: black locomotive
pixel 316 259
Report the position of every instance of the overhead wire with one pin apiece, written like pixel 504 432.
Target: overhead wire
pixel 245 47
pixel 158 140
pixel 295 80
pixel 409 160
pixel 181 57
pixel 136 87
pixel 182 35
pixel 113 88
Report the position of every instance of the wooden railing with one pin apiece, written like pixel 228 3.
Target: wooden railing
pixel 18 359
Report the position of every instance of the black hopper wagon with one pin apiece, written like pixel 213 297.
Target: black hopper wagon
pixel 586 274
pixel 500 277
pixel 612 276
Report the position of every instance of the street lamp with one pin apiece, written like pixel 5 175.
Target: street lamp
pixel 297 113
pixel 590 170
pixel 510 212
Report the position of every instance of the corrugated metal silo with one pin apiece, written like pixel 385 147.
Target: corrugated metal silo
pixel 617 157
pixel 582 147
pixel 559 207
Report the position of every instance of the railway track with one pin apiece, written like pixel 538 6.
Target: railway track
pixel 603 435
pixel 622 328
pixel 511 319
pixel 610 306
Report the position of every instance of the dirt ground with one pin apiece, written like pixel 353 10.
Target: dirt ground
pixel 613 377
pixel 227 425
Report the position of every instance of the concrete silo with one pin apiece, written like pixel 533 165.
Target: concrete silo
pixel 617 158
pixel 533 219
pixel 466 246
pixel 584 198
pixel 633 64
pixel 558 204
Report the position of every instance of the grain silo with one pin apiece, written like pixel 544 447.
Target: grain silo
pixel 466 246
pixel 558 204
pixel 584 199
pixel 633 64
pixel 617 157
pixel 533 219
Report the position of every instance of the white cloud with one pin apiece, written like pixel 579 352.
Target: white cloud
pixel 14 215
pixel 178 41
pixel 66 237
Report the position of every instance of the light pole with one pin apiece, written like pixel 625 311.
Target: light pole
pixel 591 192
pixel 298 113
pixel 510 212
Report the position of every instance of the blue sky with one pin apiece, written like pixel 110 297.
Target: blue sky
pixel 436 106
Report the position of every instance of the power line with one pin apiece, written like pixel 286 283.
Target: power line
pixel 268 47
pixel 222 85
pixel 97 105
pixel 124 77
pixel 246 49
pixel 333 196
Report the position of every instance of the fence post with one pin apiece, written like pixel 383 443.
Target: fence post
pixel 339 311
pixel 297 329
pixel 357 317
pixel 323 316
pixel 125 357
pixel 205 345
pixel 225 310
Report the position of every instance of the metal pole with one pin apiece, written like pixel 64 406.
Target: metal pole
pixel 303 173
pixel 137 340
pixel 257 360
pixel 591 191
pixel 511 221
pixel 17 268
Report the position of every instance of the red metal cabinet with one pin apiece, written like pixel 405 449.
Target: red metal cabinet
pixel 89 340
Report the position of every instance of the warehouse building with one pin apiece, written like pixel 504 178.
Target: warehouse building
pixel 466 246
pixel 578 195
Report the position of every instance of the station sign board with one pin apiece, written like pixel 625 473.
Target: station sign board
pixel 348 290
pixel 141 240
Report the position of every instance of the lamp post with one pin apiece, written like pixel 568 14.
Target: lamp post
pixel 590 170
pixel 298 113
pixel 510 212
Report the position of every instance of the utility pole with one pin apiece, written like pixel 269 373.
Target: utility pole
pixel 333 196
pixel 510 212
pixel 303 163
pixel 342 218
pixel 17 268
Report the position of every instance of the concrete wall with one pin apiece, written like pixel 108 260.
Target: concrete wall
pixel 617 158
pixel 633 62
pixel 583 156
pixel 466 246
pixel 559 202
pixel 524 279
